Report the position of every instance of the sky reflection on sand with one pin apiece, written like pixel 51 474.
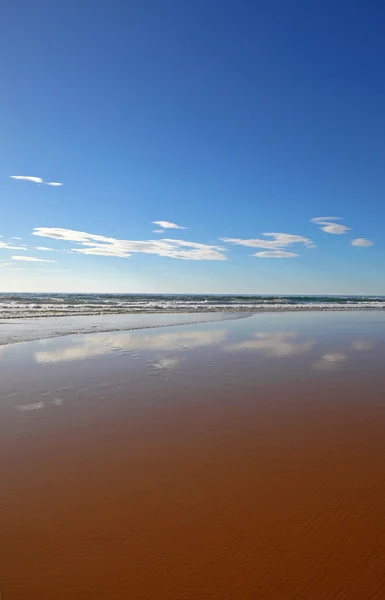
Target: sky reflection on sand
pixel 268 427
pixel 276 343
pixel 94 345
pixel 273 344
pixel 362 345
pixel 330 361
pixel 253 350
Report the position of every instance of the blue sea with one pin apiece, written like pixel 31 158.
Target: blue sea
pixel 56 305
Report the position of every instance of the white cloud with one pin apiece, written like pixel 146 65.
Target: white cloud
pixel 168 225
pixel 279 241
pixel 35 180
pixel 275 254
pixel 361 242
pixel 328 226
pixel 158 231
pixel 31 259
pixel 27 178
pixel 44 249
pixel 6 246
pixel 105 246
pixel 277 343
pixel 16 238
pixel 99 250
pixel 275 247
pixel 321 220
pixel 335 228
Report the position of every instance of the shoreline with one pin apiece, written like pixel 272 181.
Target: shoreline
pixel 203 310
pixel 94 329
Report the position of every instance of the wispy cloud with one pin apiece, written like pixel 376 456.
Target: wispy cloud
pixel 32 259
pixel 329 226
pixel 16 238
pixel 361 242
pixel 279 241
pixel 36 180
pixel 105 246
pixel 44 249
pixel 275 247
pixel 335 228
pixel 275 254
pixel 158 231
pixel 27 178
pixel 6 246
pixel 322 219
pixel 168 225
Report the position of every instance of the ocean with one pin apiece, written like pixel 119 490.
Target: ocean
pixel 20 306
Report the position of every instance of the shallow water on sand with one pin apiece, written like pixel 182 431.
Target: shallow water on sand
pixel 231 460
pixel 15 330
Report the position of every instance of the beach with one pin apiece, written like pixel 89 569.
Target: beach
pixel 229 459
pixel 192 301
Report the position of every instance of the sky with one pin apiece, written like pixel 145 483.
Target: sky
pixel 192 146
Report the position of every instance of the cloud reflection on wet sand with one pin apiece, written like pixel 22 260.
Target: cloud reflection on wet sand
pixel 254 460
pixel 269 344
pixel 94 345
pixel 330 362
pixel 276 343
pixel 362 345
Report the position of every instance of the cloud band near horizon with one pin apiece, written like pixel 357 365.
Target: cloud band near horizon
pixel 99 245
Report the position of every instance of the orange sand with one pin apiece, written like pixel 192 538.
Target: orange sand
pixel 216 499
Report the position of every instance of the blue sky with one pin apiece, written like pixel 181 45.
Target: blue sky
pixel 230 119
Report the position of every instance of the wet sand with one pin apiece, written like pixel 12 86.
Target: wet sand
pixel 15 330
pixel 232 460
